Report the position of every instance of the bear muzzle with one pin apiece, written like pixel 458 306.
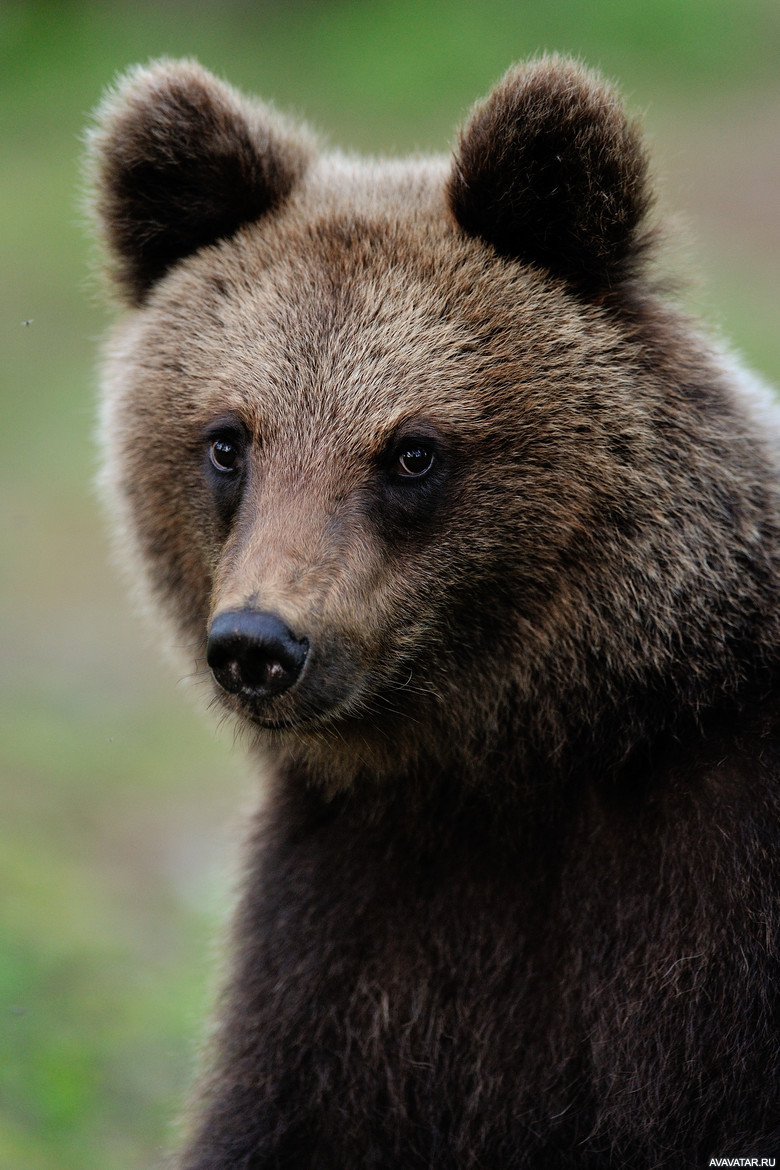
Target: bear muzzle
pixel 254 654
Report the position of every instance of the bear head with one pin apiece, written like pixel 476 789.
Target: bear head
pixel 411 454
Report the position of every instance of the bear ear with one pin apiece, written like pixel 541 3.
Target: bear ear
pixel 179 160
pixel 550 170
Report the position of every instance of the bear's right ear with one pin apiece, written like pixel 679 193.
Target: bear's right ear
pixel 179 160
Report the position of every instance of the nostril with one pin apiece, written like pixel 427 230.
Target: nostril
pixel 253 650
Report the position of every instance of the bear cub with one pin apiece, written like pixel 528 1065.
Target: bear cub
pixel 478 539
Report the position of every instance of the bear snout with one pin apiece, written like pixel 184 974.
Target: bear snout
pixel 253 652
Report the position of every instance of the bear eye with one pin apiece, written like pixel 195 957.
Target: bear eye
pixel 413 460
pixel 226 444
pixel 225 453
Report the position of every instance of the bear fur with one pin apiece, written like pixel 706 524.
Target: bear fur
pixel 513 524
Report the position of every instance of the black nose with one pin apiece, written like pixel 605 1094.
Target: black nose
pixel 250 650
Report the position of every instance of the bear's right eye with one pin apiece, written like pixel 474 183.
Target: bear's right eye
pixel 225 454
pixel 225 448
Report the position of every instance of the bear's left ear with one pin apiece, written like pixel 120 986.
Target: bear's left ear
pixel 179 160
pixel 549 170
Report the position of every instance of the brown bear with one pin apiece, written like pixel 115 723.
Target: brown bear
pixel 478 538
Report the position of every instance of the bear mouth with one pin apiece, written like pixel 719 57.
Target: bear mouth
pixel 332 690
pixel 305 707
pixel 282 725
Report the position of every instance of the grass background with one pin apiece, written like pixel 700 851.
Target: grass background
pixel 118 806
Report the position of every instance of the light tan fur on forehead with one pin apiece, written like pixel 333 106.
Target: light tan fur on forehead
pixel 308 328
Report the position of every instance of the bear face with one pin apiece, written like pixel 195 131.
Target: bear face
pixel 316 320
pixel 478 538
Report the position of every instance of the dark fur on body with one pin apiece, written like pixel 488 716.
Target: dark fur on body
pixel 512 900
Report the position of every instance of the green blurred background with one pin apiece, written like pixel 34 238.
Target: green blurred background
pixel 118 805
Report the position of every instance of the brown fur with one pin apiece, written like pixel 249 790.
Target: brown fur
pixel 549 171
pixel 513 897
pixel 181 161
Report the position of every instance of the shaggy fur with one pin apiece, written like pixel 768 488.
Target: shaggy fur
pixel 513 897
pixel 549 171
pixel 181 161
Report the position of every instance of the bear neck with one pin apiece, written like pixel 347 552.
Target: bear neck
pixel 633 755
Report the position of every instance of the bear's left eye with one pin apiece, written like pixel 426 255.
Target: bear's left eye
pixel 413 460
